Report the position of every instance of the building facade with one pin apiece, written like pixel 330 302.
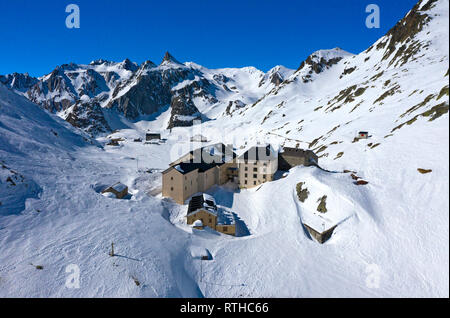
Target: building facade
pixel 292 157
pixel 256 166
pixel 152 136
pixel 198 171
pixel 203 208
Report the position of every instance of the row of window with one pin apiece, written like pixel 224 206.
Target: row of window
pixel 255 176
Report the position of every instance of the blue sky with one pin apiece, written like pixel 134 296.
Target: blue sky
pixel 226 33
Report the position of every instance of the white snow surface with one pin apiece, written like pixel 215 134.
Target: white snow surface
pixel 396 227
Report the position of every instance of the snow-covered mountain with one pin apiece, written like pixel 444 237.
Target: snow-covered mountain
pixel 396 227
pixel 88 95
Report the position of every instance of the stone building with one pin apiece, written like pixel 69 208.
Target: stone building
pixel 119 190
pixel 256 166
pixel 203 211
pixel 321 235
pixel 291 157
pixel 198 171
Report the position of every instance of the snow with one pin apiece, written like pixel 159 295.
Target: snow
pixel 398 223
pixel 225 217
pixel 178 168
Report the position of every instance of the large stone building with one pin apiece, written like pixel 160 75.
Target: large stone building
pixel 291 157
pixel 257 165
pixel 199 170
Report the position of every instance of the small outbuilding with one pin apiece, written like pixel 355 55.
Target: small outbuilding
pixel 119 190
pixel 363 135
pixel 152 136
pixel 322 235
pixel 114 142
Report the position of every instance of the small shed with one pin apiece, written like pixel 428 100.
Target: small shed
pixel 363 135
pixel 152 136
pixel 114 142
pixel 320 235
pixel 119 190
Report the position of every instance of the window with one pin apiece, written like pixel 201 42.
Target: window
pixel 254 182
pixel 225 229
pixel 255 169
pixel 255 176
pixel 264 177
pixel 246 168
pixel 210 220
pixel 171 178
pixel 245 181
pixel 171 189
pixel 246 175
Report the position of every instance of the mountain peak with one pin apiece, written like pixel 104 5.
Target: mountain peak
pixel 168 58
pixel 128 65
pixel 321 60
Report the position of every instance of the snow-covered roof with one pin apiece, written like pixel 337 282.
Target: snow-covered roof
pixel 178 168
pixel 119 187
pixel 225 217
pixel 204 202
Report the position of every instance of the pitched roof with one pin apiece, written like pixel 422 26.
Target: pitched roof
pixel 204 202
pixel 259 153
pixel 225 218
pixel 297 152
pixel 205 158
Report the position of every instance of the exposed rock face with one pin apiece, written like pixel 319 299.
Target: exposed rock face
pixel 168 58
pixel 183 112
pixel 67 84
pixel 75 91
pixel 233 106
pixel 319 61
pixel 88 116
pixel 400 39
pixel 152 88
pixel 18 82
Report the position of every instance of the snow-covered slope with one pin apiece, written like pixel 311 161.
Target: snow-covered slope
pixel 393 234
pixel 52 216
